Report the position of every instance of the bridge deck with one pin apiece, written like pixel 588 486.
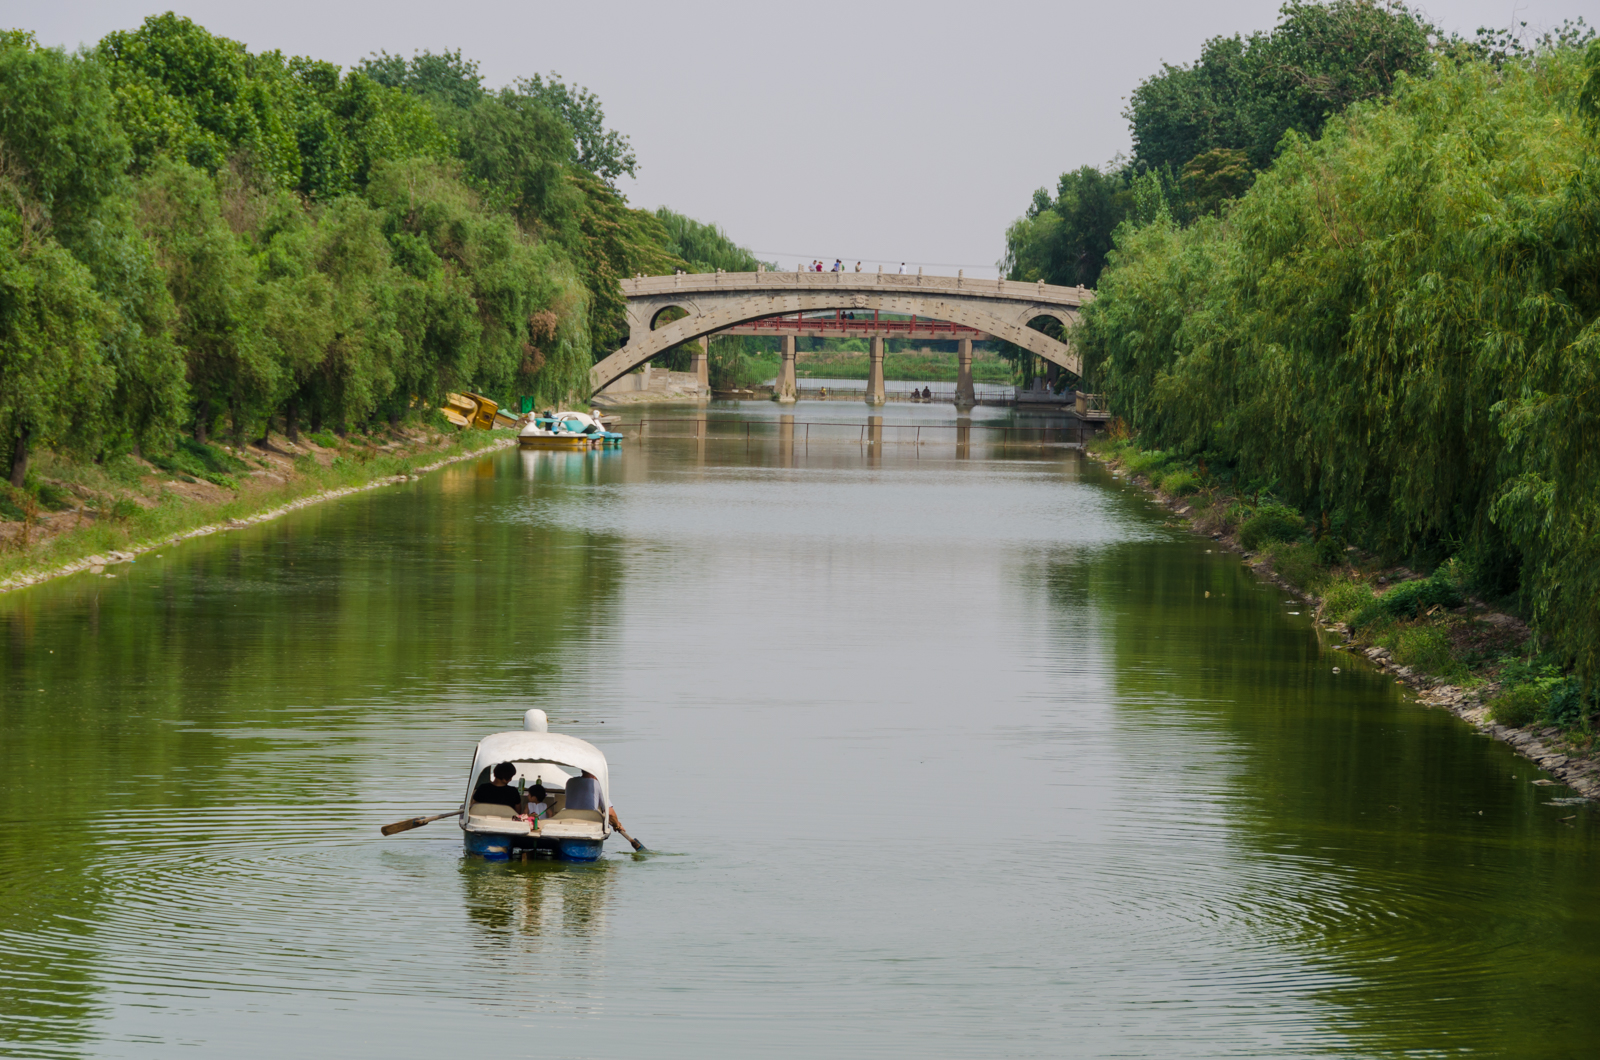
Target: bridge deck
pixel 878 282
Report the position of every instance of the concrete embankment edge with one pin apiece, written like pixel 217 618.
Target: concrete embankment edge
pixel 89 563
pixel 1580 773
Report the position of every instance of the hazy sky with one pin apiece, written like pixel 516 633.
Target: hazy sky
pixel 871 131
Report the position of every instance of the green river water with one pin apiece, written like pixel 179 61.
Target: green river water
pixel 945 750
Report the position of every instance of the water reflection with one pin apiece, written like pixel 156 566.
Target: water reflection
pixel 1421 885
pixel 964 760
pixel 786 440
pixel 538 898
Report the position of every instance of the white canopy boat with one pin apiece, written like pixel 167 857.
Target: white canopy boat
pixel 577 825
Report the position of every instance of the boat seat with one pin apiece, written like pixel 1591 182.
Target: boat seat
pixel 490 809
pixel 577 815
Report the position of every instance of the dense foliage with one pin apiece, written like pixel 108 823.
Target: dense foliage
pixel 1397 329
pixel 1201 132
pixel 194 237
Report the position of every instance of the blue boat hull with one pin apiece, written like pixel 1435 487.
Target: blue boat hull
pixel 499 847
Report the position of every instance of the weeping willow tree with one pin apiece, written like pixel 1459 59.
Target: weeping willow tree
pixel 705 247
pixel 1396 328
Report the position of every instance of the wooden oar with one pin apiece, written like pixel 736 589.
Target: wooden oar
pixel 640 847
pixel 417 822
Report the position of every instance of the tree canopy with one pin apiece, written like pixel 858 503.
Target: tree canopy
pixel 1396 329
pixel 196 236
pixel 1206 129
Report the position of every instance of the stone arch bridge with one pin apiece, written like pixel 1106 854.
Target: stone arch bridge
pixel 719 300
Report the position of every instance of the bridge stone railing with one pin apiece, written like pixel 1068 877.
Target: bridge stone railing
pixel 882 282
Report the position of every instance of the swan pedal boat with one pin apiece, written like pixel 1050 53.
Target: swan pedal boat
pixel 567 430
pixel 573 833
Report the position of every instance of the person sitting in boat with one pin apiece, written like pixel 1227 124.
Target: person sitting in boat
pixel 499 790
pixel 537 806
pixel 610 811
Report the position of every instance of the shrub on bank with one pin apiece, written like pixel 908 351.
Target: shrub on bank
pixel 1517 706
pixel 1271 522
pixel 1410 599
pixel 1428 648
pixel 1568 706
pixel 1296 563
pixel 1180 483
pixel 1343 597
pixel 1150 464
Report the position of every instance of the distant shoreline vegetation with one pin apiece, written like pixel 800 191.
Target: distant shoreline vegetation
pixel 907 365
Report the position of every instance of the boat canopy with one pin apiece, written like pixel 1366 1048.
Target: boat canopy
pixel 569 752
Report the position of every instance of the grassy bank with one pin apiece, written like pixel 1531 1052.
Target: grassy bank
pixel 69 512
pixel 1479 658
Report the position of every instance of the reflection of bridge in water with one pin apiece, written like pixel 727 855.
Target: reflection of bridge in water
pixel 935 307
pixel 788 439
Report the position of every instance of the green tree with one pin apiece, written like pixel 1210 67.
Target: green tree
pixel 186 94
pixel 705 247
pixel 232 364
pixel 52 371
pixel 604 152
pixel 445 79
pixel 65 154
pixel 1243 94
pixel 1065 239
pixel 1395 328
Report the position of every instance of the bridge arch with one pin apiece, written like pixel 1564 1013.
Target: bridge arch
pixel 998 308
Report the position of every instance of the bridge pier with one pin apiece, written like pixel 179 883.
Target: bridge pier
pixel 699 364
pixel 965 393
pixel 785 391
pixel 875 393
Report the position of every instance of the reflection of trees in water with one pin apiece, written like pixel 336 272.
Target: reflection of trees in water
pixel 537 900
pixel 1353 825
pixel 197 678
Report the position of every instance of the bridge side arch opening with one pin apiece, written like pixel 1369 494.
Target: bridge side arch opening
pixel 1036 371
pixel 677 358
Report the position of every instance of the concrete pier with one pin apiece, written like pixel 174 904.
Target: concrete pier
pixel 784 391
pixel 875 395
pixel 965 393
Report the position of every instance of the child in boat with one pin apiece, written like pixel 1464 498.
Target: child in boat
pixel 537 807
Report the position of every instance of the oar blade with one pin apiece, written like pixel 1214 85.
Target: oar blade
pixel 416 822
pixel 403 826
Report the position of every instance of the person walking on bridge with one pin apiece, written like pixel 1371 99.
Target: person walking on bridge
pixel 902 268
pixel 858 266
